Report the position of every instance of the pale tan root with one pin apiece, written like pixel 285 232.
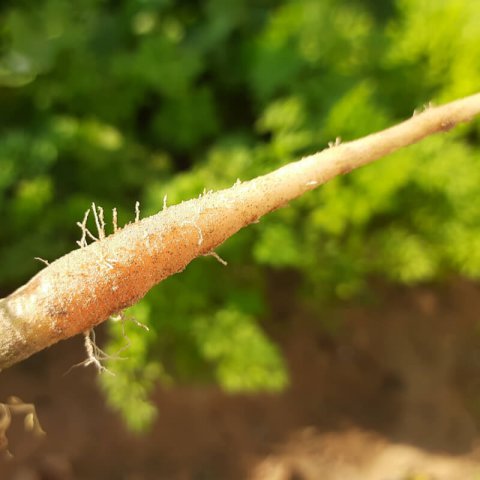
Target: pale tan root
pixel 87 286
pixel 217 257
pixel 46 262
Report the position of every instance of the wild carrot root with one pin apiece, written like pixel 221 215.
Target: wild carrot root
pixel 87 286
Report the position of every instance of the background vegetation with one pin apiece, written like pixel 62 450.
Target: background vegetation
pixel 118 101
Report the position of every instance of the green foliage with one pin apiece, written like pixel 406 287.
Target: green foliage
pixel 115 102
pixel 245 360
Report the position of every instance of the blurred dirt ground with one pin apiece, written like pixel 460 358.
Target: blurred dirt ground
pixel 394 395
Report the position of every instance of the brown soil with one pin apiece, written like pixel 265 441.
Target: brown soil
pixel 394 395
